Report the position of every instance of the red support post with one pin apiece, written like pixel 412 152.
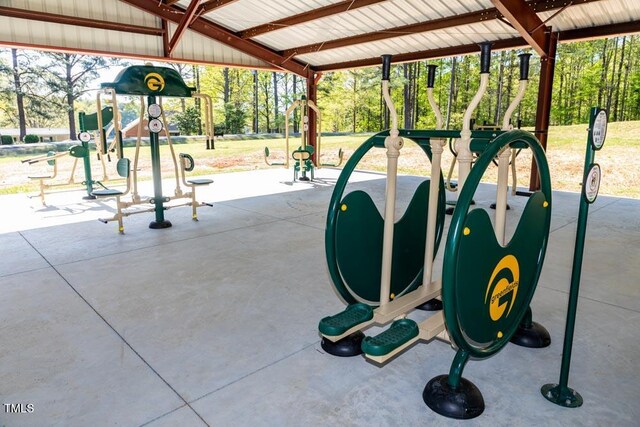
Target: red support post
pixel 543 113
pixel 312 95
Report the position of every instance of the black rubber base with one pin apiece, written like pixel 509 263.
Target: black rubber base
pixel 304 178
pixel 156 225
pixel 563 396
pixel 462 404
pixel 348 346
pixel 432 305
pixel 534 337
pixel 493 206
pixel 89 197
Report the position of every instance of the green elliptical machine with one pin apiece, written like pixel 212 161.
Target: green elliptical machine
pixel 383 268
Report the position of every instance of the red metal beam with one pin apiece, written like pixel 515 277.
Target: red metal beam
pixel 165 38
pixel 109 54
pixel 183 25
pixel 563 36
pixel 223 35
pixel 600 32
pixel 312 95
pixel 444 52
pixel 436 24
pixel 543 111
pixel 310 15
pixel 170 2
pixel 79 22
pixel 210 5
pixel 528 24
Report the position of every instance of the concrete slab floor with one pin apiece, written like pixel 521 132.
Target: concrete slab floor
pixel 215 322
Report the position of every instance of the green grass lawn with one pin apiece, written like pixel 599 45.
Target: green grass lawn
pixel 619 160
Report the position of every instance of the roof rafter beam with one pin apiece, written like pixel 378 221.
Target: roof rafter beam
pixel 517 42
pixel 183 25
pixel 208 6
pixel 526 22
pixel 444 52
pixel 79 22
pixel 223 35
pixel 620 29
pixel 311 15
pixel 436 24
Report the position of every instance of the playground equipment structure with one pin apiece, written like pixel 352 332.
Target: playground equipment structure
pixel 384 269
pixel 88 123
pixel 303 155
pixel 155 83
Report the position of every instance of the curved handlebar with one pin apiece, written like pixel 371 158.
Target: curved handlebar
pixel 524 65
pixel 386 67
pixel 431 75
pixel 485 57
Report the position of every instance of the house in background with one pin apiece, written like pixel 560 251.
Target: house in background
pixel 45 134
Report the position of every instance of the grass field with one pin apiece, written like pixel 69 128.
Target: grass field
pixel 619 159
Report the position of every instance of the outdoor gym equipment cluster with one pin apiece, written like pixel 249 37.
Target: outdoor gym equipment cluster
pixel 487 281
pixel 154 83
pixel 303 155
pixel 87 122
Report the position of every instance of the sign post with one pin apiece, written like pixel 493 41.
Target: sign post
pixel 561 394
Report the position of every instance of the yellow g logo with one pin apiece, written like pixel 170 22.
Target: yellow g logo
pixel 154 82
pixel 503 287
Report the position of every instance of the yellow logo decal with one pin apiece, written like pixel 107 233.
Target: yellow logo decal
pixel 154 82
pixel 506 286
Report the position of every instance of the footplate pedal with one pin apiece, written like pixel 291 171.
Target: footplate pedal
pixel 400 332
pixel 340 323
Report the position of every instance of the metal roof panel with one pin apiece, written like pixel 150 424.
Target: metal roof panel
pixel 464 34
pixel 244 14
pixel 378 17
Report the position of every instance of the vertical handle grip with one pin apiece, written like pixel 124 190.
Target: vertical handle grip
pixel 524 65
pixel 386 67
pixel 431 75
pixel 485 57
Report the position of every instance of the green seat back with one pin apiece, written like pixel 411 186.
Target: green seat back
pixel 123 167
pixel 52 161
pixel 78 151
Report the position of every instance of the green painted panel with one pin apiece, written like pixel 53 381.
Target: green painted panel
pixel 494 285
pixel 150 80
pixel 331 237
pixel 90 121
pixel 483 304
pixel 123 167
pixel 359 230
pixel 79 151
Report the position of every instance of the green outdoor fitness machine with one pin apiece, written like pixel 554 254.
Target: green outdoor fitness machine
pixel 87 123
pixel 383 269
pixel 154 83
pixel 303 155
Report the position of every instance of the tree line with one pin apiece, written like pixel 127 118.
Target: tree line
pixel 46 89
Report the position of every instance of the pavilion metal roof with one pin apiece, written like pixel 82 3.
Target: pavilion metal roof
pixel 303 36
